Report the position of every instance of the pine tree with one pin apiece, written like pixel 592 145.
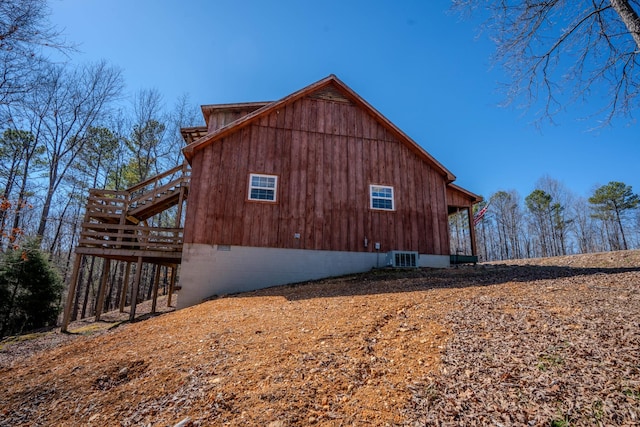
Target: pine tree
pixel 539 205
pixel 611 201
pixel 30 290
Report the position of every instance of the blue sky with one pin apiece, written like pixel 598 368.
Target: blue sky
pixel 425 69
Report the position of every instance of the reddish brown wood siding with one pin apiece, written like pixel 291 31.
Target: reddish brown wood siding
pixel 217 118
pixel 458 198
pixel 326 152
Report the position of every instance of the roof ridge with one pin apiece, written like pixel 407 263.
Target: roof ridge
pixel 190 149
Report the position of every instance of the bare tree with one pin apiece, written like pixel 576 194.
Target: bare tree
pixel 539 204
pixel 459 233
pixel 585 229
pixel 146 143
pixel 184 114
pixel 561 220
pixel 25 155
pixel 66 106
pixel 560 52
pixel 25 35
pixel 505 209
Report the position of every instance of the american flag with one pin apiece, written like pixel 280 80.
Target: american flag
pixel 480 214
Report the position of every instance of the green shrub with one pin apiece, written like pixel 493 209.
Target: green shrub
pixel 30 290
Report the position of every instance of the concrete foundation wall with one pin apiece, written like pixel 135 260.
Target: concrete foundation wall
pixel 209 270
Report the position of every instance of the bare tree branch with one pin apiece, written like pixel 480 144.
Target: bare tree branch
pixel 25 37
pixel 558 53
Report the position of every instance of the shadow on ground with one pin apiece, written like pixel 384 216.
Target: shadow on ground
pixel 381 281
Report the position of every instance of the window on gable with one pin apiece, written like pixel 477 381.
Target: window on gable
pixel 263 187
pixel 381 197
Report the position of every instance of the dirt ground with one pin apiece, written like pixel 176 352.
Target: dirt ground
pixel 548 342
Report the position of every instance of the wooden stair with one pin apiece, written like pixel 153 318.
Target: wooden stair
pixel 154 195
pixel 115 227
pixel 115 223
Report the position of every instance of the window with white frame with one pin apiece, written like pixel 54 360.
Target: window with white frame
pixel 381 197
pixel 263 187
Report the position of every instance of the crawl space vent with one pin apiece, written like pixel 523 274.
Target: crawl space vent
pixel 402 259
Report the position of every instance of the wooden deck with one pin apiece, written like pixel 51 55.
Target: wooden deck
pixel 116 227
pixel 128 242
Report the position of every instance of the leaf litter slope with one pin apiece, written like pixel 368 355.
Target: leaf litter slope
pixel 499 344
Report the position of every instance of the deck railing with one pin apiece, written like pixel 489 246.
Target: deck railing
pixel 110 205
pixel 150 190
pixel 134 237
pixel 116 219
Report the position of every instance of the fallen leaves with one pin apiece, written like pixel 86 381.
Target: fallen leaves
pixel 560 349
pixel 499 345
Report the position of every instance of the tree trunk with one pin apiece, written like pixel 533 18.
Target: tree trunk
pixel 629 18
pixel 4 213
pixel 76 304
pixel 165 280
pixel 59 226
pixel 153 274
pixel 45 212
pixel 87 288
pixel 108 298
pixel 23 192
pixel 619 221
pixel 120 282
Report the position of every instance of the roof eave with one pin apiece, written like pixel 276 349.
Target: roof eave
pixel 190 149
pixel 396 130
pixel 472 196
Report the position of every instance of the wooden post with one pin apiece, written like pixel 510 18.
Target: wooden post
pixel 156 281
pixel 123 217
pixel 134 290
pixel 73 283
pixel 472 231
pixel 180 203
pixel 125 287
pixel 71 293
pixel 103 287
pixel 172 285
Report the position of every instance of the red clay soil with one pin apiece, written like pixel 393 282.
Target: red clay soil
pixel 557 343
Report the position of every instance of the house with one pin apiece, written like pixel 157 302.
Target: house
pixel 316 184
